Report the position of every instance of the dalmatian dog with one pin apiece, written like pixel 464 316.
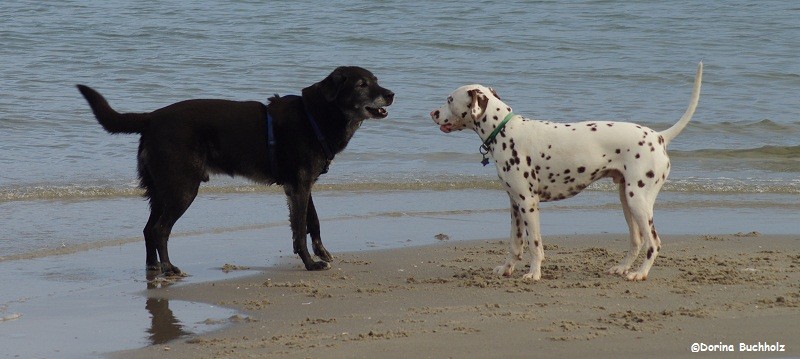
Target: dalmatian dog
pixel 539 161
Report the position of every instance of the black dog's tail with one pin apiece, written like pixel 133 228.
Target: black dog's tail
pixel 113 121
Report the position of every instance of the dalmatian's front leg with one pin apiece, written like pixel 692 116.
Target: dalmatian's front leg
pixel 517 245
pixel 529 208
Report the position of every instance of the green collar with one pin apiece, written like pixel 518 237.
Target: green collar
pixel 484 149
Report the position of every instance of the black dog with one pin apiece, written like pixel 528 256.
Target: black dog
pixel 182 143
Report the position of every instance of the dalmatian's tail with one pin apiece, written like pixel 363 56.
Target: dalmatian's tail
pixel 673 131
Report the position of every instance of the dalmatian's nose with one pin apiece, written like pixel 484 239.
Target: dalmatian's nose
pixel 435 114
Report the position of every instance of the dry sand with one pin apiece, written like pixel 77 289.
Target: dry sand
pixel 443 301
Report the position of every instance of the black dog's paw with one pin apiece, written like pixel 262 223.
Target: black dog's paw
pixel 152 272
pixel 314 266
pixel 170 270
pixel 178 274
pixel 324 255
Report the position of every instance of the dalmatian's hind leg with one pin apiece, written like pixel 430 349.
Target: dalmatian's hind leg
pixel 642 213
pixel 635 236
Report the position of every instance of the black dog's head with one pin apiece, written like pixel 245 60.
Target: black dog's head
pixel 355 91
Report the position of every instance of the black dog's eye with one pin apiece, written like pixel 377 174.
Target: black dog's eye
pixel 362 84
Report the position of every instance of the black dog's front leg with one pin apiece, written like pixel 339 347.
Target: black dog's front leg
pixel 298 198
pixel 313 230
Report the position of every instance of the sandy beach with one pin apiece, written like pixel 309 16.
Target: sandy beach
pixel 720 292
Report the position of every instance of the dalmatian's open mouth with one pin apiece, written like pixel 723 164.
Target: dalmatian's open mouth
pixel 379 112
pixel 446 128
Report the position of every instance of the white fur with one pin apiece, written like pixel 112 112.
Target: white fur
pixel 541 161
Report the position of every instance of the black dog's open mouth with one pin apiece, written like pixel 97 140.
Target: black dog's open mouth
pixel 379 112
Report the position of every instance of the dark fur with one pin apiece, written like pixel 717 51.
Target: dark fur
pixel 182 143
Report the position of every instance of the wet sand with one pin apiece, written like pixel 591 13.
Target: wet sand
pixel 443 300
pixel 86 291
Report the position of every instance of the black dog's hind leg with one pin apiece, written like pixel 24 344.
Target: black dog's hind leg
pixel 176 202
pixel 150 239
pixel 298 198
pixel 156 208
pixel 313 230
pixel 172 186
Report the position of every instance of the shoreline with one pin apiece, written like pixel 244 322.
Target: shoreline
pixel 443 300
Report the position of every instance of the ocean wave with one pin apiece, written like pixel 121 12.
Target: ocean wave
pixel 761 126
pixel 791 153
pixel 72 192
pixel 685 185
pixel 78 192
pixel 716 186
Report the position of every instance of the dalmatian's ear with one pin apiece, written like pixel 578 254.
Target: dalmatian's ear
pixel 478 104
pixel 494 93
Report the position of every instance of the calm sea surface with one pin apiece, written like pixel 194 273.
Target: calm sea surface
pixel 64 182
pixel 562 61
pixel 555 60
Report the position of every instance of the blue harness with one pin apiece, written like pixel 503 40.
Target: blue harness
pixel 271 142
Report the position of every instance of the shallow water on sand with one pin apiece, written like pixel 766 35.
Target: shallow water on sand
pixel 91 301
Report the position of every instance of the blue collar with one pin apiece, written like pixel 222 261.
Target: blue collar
pixel 271 142
pixel 320 136
pixel 273 163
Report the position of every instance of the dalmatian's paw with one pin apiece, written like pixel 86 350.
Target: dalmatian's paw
pixel 637 276
pixel 504 270
pixel 619 270
pixel 532 276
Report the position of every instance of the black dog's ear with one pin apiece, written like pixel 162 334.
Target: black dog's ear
pixel 332 84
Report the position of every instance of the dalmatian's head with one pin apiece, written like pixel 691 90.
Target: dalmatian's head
pixel 467 107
